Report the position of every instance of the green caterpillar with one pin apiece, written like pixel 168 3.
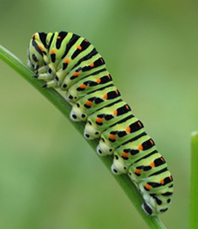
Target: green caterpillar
pixel 69 62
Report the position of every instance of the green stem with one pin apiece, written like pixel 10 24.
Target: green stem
pixel 194 181
pixel 55 98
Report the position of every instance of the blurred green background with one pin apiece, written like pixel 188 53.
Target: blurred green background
pixel 49 177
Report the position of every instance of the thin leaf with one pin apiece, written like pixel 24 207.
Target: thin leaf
pixel 194 181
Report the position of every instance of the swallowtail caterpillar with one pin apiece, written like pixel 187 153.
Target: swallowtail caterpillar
pixel 70 62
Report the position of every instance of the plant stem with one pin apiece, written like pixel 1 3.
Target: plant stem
pixel 194 181
pixel 58 101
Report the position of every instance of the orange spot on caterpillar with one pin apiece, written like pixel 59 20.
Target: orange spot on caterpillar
pixel 88 103
pixel 79 47
pixel 162 159
pixel 85 40
pixel 109 76
pixel 102 60
pixel 115 112
pixel 116 91
pixel 52 51
pixel 105 96
pixel 99 120
pixel 91 65
pixel 162 181
pixel 83 86
pixel 151 141
pixel 152 164
pixel 125 154
pixel 98 80
pixel 40 47
pixel 128 129
pixel 127 107
pixel 112 136
pixel 140 124
pixel 76 73
pixel 147 186
pixel 171 178
pixel 140 147
pixel 66 61
pixel 59 37
pixel 138 171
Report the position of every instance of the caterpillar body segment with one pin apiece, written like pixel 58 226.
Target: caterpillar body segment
pixel 119 133
pixel 87 85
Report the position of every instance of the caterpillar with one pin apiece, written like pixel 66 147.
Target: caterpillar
pixel 70 62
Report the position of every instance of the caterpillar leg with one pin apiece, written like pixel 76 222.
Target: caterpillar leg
pixel 104 148
pixel 44 76
pixel 77 114
pixel 70 97
pixel 119 166
pixel 90 131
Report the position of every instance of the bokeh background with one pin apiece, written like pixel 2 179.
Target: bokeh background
pixel 49 176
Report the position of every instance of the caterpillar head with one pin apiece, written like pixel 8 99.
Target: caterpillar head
pixel 36 51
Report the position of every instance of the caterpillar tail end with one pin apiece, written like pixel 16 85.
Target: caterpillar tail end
pixel 147 209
